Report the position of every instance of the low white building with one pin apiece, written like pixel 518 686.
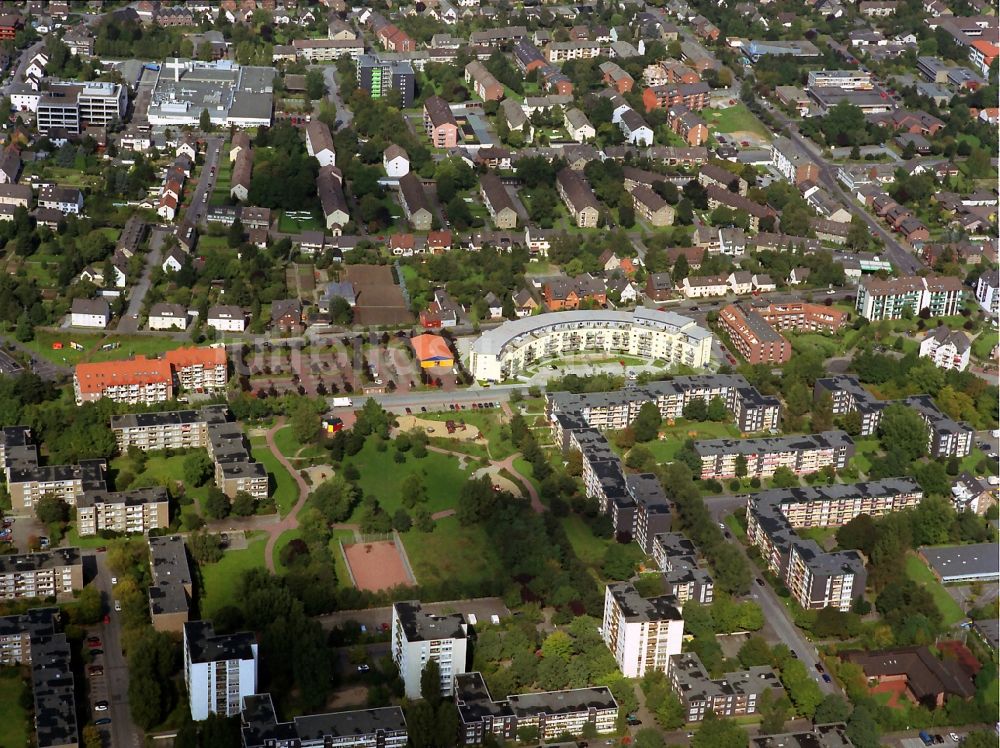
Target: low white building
pixel 948 349
pixel 988 292
pixel 165 316
pixel 93 313
pixel 226 318
pixel 419 636
pixel 219 671
pixel 64 199
pixel 642 633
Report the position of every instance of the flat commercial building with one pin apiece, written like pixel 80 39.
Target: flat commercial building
pixel 642 633
pixel 233 95
pixel 74 106
pixel 979 562
pixel 552 712
pixel 44 574
pixel 853 80
pixel 801 454
pixel 219 670
pixel 504 351
pixel 736 694
pixel 419 636
pixel 384 727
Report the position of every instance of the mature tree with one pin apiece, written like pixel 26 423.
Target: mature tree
pixel 152 663
pixel 244 504
pixel 646 425
pixel 197 468
pixel 205 121
pixel 696 410
pixel 833 708
pixel 858 534
pixel 755 651
pixel 902 429
pixel 430 683
pixel 305 421
pixel 205 547
pixel 785 478
pixel 558 644
pixel 618 562
pixel 52 509
pixel 717 409
pixel 741 466
pixel 719 733
pixel 216 504
pixel 801 688
pixel 862 728
pixel 649 737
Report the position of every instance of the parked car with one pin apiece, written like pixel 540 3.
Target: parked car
pixel 827 678
pixel 118 606
pixel 103 721
pixel 95 670
pixel 363 668
pixel 101 706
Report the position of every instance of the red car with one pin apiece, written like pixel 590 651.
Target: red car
pixel 107 618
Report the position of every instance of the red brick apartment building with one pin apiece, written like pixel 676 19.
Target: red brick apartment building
pixel 439 123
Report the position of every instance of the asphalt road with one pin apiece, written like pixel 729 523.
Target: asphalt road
pixel 344 114
pixel 114 682
pixel 129 323
pixel 22 62
pixel 197 206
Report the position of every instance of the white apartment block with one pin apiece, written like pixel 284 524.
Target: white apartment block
pixel 219 671
pixel 948 349
pixel 988 292
pixel 227 318
pixel 419 637
pixel 642 633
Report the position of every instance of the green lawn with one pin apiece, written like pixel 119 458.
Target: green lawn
pixel 451 553
pixel 734 119
pixel 822 535
pixel 488 423
pixel 219 580
pixel 664 450
pixel 339 563
pixel 14 727
pixel 382 477
pixel 735 527
pixel 293 449
pixel 823 344
pixel 128 345
pixel 160 470
pixel 983 344
pixel 589 548
pixel 919 572
pixel 865 449
pixel 286 490
pixel 295 225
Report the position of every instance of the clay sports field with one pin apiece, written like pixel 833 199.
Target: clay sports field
pixel 377 565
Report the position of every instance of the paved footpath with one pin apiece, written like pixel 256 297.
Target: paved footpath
pixel 290 521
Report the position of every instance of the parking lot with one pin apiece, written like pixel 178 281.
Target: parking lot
pixel 352 364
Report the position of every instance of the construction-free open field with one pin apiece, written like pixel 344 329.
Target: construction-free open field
pixel 379 300
pixel 377 565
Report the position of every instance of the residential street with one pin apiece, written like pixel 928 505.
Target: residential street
pixel 344 115
pixel 129 322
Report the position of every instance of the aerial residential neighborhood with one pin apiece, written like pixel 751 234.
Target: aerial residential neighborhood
pixel 442 373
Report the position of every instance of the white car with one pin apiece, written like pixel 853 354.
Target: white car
pixel 954 736
pixel 114 580
pixel 118 606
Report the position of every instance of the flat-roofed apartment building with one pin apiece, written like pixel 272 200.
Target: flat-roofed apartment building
pixel 881 299
pixel 818 579
pixel 74 106
pixel 44 574
pixel 419 636
pixel 736 694
pixel 552 712
pixel 138 510
pixel 383 727
pixel 235 470
pixel 851 80
pixel 54 693
pixel 172 587
pixel 642 633
pixel 17 631
pixel 752 411
pixel 176 429
pixel 219 670
pixel 801 454
pixel 683 576
pixel 28 481
pixel 945 436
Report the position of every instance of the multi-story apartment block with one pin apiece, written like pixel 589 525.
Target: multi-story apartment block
pixel 45 574
pixel 418 637
pixel 73 107
pixel 735 694
pixel 818 579
pixel 17 632
pixel 574 50
pixel 579 198
pixel 16 443
pixel 28 482
pixel 134 381
pixel 202 370
pixel 503 351
pixel 642 633
pixel 794 165
pixel 552 712
pixel 832 735
pixel 439 123
pixel 684 578
pixel 379 77
pixel 177 429
pixel 756 341
pixel 235 470
pixel 752 411
pixel 170 593
pixel 695 96
pixel 136 511
pixel 881 299
pixel 988 292
pixel 384 727
pixel 945 436
pixel 54 693
pixel 948 349
pixel 219 670
pixel 800 454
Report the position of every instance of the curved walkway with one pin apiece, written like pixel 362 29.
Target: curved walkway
pixel 506 464
pixel 290 521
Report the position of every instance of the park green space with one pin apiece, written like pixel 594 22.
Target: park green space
pixel 299 454
pixel 383 477
pixel 129 345
pixel 160 470
pixel 285 491
pixel 865 449
pixel 591 549
pixel 295 225
pixel 452 553
pixel 219 580
pixel 488 423
pixel 919 572
pixel 983 344
pixel 666 449
pixel 14 727
pixel 736 118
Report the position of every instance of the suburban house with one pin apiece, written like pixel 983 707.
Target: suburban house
pixel 414 201
pixel 93 313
